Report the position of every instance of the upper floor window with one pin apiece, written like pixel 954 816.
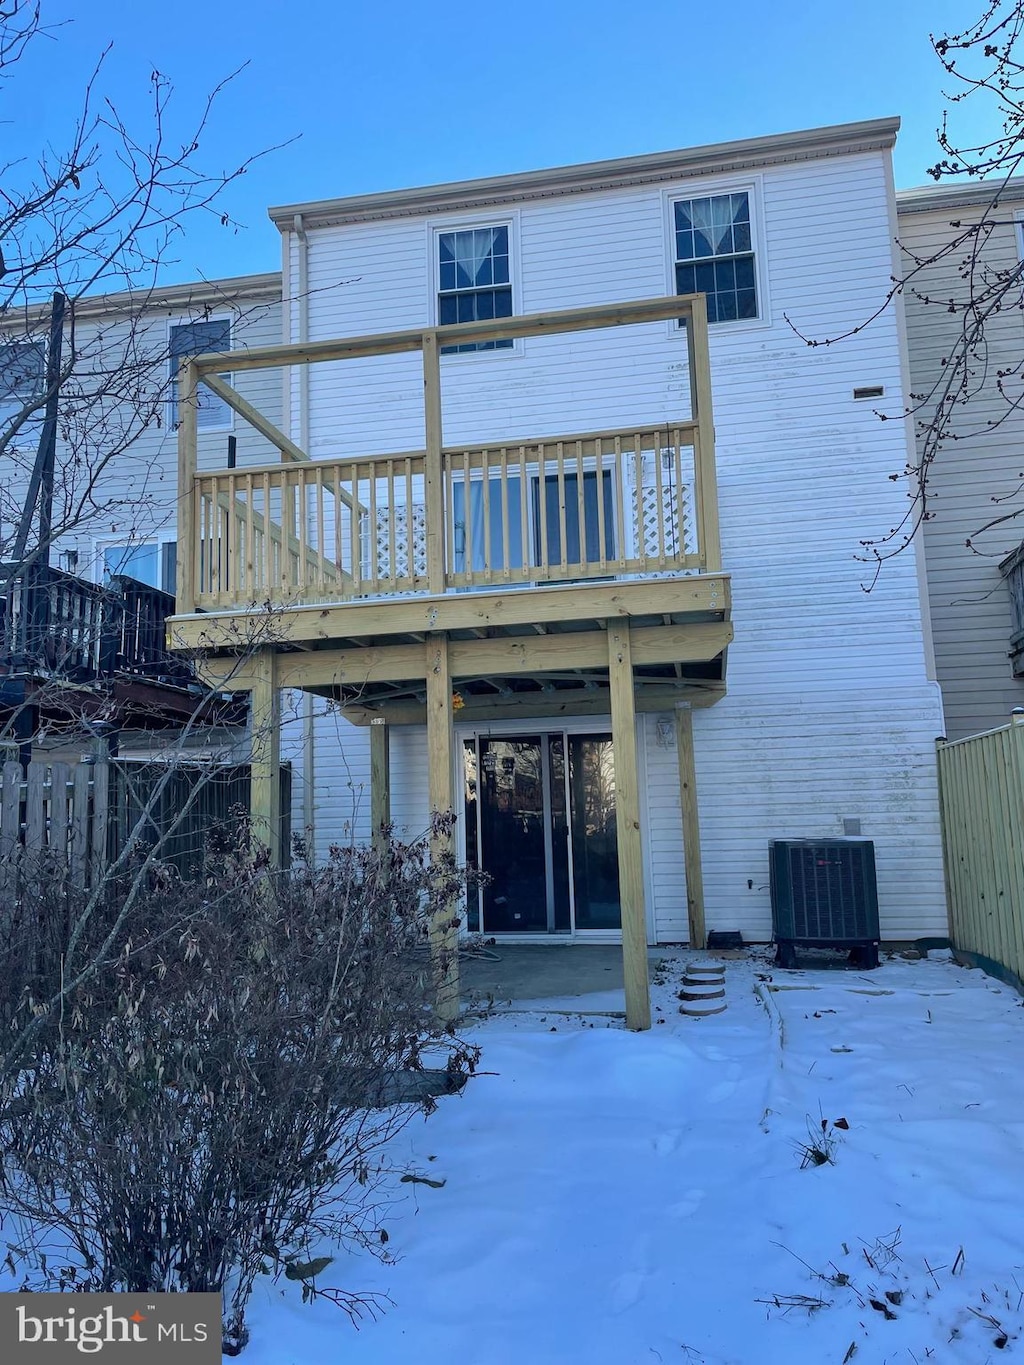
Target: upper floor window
pixel 474 283
pixel 714 254
pixel 22 376
pixel 196 338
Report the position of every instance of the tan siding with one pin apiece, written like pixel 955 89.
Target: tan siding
pixel 974 479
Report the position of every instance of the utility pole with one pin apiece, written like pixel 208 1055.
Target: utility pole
pixel 40 488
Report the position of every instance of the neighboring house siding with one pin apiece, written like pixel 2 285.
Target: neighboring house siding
pixel 830 711
pixel 974 479
pixel 136 491
pixel 133 494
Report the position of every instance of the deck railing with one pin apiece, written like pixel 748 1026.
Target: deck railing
pixel 447 518
pixel 139 624
pixel 56 622
pixel 60 625
pixel 568 509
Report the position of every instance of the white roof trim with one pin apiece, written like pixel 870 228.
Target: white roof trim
pixel 839 140
pixel 196 293
pixel 952 194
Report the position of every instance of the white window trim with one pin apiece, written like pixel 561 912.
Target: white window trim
pixel 185 320
pixel 753 186
pixel 477 220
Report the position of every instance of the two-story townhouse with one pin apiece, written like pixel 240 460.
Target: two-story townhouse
pixel 497 528
pixel 958 244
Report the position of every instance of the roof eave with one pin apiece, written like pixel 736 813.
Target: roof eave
pixel 954 194
pixel 197 293
pixel 717 158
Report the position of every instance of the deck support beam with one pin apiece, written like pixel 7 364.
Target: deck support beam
pixel 380 779
pixel 265 779
pixel 691 827
pixel 444 924
pixel 627 813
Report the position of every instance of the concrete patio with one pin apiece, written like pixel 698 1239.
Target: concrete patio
pixel 514 973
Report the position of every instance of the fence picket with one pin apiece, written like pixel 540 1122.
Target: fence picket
pixel 60 777
pixel 36 802
pixel 10 828
pixel 100 815
pixel 79 860
pixel 10 808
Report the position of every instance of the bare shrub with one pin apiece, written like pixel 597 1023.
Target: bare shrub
pixel 213 1102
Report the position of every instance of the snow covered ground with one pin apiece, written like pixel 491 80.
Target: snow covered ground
pixel 630 1199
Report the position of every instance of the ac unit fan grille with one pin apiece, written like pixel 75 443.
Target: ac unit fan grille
pixel 824 892
pixel 829 899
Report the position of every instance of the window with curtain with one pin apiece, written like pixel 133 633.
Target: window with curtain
pixel 474 280
pixel 714 254
pixel 197 338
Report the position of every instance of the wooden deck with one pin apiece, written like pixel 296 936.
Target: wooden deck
pixel 554 574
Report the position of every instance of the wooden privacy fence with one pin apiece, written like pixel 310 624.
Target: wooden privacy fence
pixel 80 816
pixel 981 784
pixel 57 809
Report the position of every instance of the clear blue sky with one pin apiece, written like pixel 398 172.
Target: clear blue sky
pixel 384 94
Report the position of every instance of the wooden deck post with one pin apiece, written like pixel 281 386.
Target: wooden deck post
pixel 691 827
pixel 627 812
pixel 433 465
pixel 265 772
pixel 188 446
pixel 444 927
pixel 705 476
pixel 380 778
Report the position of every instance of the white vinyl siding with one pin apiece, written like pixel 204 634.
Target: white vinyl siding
pixel 135 500
pixel 830 712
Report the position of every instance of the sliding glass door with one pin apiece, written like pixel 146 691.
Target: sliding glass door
pixel 540 822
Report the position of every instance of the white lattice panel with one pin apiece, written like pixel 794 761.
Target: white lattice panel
pixel 651 511
pixel 376 542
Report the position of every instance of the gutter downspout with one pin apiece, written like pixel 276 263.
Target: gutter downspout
pixel 308 732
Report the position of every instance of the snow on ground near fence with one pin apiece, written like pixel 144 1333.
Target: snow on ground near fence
pixel 631 1199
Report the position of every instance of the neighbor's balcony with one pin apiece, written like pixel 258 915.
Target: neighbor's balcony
pixel 575 508
pixel 55 624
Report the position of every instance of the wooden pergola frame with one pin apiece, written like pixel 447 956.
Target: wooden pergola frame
pixel 438 637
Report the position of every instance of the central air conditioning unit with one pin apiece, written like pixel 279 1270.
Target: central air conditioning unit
pixel 824 895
